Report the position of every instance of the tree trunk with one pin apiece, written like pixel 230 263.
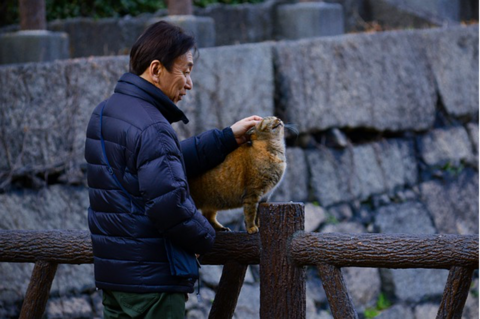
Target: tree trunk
pixel 180 7
pixel 32 15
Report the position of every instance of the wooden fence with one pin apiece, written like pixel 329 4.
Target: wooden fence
pixel 282 249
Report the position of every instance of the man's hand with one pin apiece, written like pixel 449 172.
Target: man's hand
pixel 241 127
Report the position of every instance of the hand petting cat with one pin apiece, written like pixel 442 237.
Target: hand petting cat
pixel 241 127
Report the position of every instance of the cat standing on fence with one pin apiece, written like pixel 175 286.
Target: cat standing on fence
pixel 247 176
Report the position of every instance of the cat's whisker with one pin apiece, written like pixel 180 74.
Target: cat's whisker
pixel 292 128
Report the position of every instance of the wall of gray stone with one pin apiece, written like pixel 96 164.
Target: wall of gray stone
pixel 387 143
pixel 230 24
pixel 449 10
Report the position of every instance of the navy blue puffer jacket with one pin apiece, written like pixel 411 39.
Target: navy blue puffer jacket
pixel 151 164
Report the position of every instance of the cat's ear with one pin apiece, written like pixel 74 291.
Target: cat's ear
pixel 263 126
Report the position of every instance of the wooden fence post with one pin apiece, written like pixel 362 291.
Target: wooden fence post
pixel 282 284
pixel 228 290
pixel 455 293
pixel 38 290
pixel 336 291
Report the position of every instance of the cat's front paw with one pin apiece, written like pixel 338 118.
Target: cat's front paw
pixel 252 230
pixel 223 228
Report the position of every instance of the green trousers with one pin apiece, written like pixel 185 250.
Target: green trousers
pixel 126 305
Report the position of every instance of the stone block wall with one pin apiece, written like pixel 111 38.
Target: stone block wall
pixel 233 24
pixel 439 9
pixel 360 76
pixel 265 21
pixel 388 143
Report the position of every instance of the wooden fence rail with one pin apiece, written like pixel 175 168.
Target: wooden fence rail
pixel 330 252
pixel 385 250
pixel 282 249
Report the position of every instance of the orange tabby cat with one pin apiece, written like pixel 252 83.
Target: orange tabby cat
pixel 247 176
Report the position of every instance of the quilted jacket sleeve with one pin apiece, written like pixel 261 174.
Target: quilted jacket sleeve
pixel 205 151
pixel 163 185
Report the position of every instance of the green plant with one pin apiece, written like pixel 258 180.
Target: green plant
pixel 453 169
pixel 62 9
pixel 371 313
pixel 382 304
pixel 474 293
pixel 474 289
pixel 9 12
pixel 332 219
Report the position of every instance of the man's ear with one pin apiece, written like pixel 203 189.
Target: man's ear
pixel 155 70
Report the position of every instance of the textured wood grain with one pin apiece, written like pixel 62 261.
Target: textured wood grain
pixel 337 294
pixel 38 290
pixel 455 293
pixel 385 250
pixel 282 284
pixel 75 247
pixel 57 246
pixel 236 246
pixel 228 290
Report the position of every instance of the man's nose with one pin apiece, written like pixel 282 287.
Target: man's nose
pixel 189 84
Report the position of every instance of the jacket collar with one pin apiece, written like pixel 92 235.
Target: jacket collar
pixel 133 85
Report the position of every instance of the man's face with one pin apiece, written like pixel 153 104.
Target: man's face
pixel 176 83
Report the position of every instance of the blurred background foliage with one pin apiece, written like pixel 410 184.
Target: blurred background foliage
pixel 62 9
pixel 204 3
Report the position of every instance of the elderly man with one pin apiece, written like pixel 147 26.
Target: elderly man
pixel 137 175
